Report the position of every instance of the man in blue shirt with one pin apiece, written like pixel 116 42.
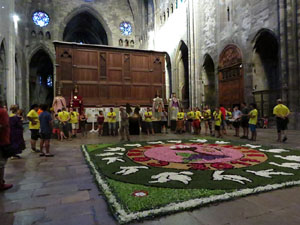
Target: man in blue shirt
pixel 46 131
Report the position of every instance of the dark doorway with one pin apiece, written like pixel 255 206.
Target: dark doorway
pixel 266 79
pixel 169 75
pixel 41 79
pixel 209 79
pixel 86 29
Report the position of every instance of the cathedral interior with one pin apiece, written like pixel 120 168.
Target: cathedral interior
pixel 207 52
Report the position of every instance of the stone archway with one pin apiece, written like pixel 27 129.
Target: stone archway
pixel 231 76
pixel 182 74
pixel 168 75
pixel 41 78
pixel 3 71
pixel 266 79
pixel 209 81
pixel 85 28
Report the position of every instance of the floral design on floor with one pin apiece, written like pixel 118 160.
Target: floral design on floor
pixel 155 178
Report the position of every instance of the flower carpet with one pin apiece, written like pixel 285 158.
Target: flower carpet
pixel 147 179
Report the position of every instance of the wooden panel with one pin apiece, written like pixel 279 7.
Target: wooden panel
pixel 85 58
pixel 115 60
pixel 115 92
pixel 115 76
pixel 139 62
pixel 108 76
pixel 85 74
pixel 140 77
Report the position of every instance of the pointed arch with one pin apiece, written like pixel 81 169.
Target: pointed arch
pixel 90 11
pixel 181 81
pixel 209 80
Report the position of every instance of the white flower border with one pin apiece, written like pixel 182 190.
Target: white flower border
pixel 125 217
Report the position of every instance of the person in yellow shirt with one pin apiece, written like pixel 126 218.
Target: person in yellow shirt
pixel 197 121
pixel 218 120
pixel 281 112
pixel 148 120
pixel 74 120
pixel 253 115
pixel 112 120
pixel 190 119
pixel 64 118
pixel 34 126
pixel 207 119
pixel 180 121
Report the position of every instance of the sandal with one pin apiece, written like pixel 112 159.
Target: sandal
pixel 42 154
pixel 49 155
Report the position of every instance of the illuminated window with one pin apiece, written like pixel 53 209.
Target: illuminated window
pixel 40 18
pixel 125 28
pixel 49 81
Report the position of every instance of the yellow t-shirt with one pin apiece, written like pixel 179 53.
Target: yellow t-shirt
pixel 74 117
pixel 218 118
pixel 229 114
pixel 63 116
pixel 149 119
pixel 207 114
pixel 281 110
pixel 253 117
pixel 180 116
pixel 35 116
pixel 111 117
pixel 191 115
pixel 197 115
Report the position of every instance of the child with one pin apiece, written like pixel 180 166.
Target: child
pixel 253 121
pixel 180 121
pixel 74 120
pixel 148 120
pixel 56 130
pixel 218 120
pixel 266 121
pixel 100 120
pixel 190 118
pixel 83 119
pixel 197 121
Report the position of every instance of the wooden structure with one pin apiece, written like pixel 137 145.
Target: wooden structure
pixel 231 77
pixel 108 75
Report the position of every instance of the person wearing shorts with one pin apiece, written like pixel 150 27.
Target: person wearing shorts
pixel 34 126
pixel 190 118
pixel 74 121
pixel 180 121
pixel 236 116
pixel 148 120
pixel 218 120
pixel 253 115
pixel 207 119
pixel 64 117
pixel 245 120
pixel 281 112
pixel 112 120
pixel 46 130
pixel 164 120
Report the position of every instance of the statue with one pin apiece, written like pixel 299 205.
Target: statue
pixel 59 101
pixel 157 107
pixel 174 105
pixel 76 101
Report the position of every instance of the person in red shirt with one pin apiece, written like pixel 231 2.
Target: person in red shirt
pixel 223 111
pixel 4 142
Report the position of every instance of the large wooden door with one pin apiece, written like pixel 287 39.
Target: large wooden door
pixel 231 77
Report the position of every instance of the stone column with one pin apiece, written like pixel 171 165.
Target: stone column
pixel 11 76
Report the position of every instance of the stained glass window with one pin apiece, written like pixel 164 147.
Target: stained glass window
pixel 40 18
pixel 49 81
pixel 126 28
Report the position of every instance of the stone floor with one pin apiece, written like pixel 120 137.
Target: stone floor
pixel 60 190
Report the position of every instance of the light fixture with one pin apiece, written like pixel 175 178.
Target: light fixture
pixel 2 7
pixel 16 18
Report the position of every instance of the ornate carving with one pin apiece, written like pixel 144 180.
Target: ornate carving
pixel 66 55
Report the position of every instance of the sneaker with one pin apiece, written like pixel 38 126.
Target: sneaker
pixel 284 139
pixel 4 187
pixel 35 150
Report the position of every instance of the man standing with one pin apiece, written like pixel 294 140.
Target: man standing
pixel 34 126
pixel 46 130
pixel 281 112
pixel 124 124
pixel 4 142
pixel 112 122
pixel 253 121
pixel 245 121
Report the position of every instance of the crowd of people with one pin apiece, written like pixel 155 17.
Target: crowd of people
pixel 45 124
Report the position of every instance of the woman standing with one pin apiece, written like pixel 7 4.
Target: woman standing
pixel 16 132
pixel 82 122
pixel 100 121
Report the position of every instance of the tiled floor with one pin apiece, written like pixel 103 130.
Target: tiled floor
pixel 60 190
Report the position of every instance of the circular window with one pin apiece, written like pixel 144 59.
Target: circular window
pixel 125 28
pixel 40 18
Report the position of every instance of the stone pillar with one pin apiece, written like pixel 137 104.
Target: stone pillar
pixel 11 76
